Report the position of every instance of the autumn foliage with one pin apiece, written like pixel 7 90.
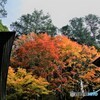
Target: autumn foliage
pixel 59 60
pixel 23 85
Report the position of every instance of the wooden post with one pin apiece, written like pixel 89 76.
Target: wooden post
pixel 6 41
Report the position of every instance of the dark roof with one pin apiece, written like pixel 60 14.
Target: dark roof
pixel 97 62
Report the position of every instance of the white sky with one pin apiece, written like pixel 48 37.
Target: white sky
pixel 61 11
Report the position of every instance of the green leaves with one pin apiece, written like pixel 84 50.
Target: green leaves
pixel 81 30
pixel 35 22
pixel 2 27
pixel 3 12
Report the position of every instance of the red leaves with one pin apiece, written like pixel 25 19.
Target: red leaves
pixel 51 57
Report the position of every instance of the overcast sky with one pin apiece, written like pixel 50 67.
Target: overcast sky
pixel 61 11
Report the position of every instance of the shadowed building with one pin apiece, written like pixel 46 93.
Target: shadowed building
pixel 97 62
pixel 6 41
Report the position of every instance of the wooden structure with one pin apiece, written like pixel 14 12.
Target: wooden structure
pixel 97 62
pixel 6 41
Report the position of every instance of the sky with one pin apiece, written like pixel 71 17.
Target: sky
pixel 61 11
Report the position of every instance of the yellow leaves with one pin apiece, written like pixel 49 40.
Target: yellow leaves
pixel 89 75
pixel 97 69
pixel 97 80
pixel 11 72
pixel 41 81
pixel 23 81
pixel 11 76
pixel 78 65
pixel 21 73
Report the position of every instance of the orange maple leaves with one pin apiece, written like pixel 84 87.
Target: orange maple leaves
pixel 48 56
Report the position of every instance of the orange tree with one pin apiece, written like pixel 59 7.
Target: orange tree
pixel 59 60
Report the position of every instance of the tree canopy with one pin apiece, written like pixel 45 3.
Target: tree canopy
pixel 57 59
pixel 84 30
pixel 23 85
pixel 36 22
pixel 2 27
pixel 3 12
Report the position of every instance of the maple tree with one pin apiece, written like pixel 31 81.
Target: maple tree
pixel 59 60
pixel 23 85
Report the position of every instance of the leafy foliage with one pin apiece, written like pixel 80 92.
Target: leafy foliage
pixel 23 85
pixel 36 22
pixel 2 27
pixel 93 23
pixel 59 60
pixel 3 12
pixel 84 30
